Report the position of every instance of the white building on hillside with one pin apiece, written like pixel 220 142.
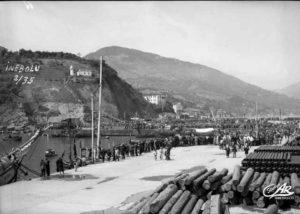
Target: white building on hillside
pixel 71 70
pixel 177 108
pixel 85 73
pixel 155 98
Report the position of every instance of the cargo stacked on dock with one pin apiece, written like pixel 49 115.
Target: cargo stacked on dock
pixel 214 191
pixel 284 159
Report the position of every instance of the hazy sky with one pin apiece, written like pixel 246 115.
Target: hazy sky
pixel 258 42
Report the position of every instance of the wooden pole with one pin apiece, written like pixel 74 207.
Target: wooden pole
pixel 92 107
pixel 99 110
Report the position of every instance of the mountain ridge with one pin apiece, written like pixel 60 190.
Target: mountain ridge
pixel 292 90
pixel 192 81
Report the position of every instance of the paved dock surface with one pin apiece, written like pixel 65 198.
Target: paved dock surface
pixel 101 186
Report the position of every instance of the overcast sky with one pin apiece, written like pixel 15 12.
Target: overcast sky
pixel 258 42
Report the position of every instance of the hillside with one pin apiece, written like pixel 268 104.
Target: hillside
pixel 36 87
pixel 197 83
pixel 291 91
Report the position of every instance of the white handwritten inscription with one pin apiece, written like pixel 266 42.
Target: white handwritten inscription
pixel 20 68
pixel 25 79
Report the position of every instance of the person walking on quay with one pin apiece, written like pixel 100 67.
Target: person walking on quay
pixel 43 168
pixel 60 166
pixel 227 149
pixel 48 167
pixel 77 163
pixel 155 154
pixel 117 154
pixel 246 149
pixel 161 153
pixel 168 152
pixel 234 150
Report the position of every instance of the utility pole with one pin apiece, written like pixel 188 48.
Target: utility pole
pixel 99 107
pixel 92 105
pixel 255 110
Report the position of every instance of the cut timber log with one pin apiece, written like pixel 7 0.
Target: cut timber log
pixel 190 205
pixel 271 209
pixel 162 198
pixel 287 180
pixel 160 188
pixel 180 203
pixel 255 177
pixel 261 202
pixel 267 182
pixel 256 194
pixel 224 172
pixel 245 180
pixel 236 175
pixel 259 182
pixel 227 186
pixel 197 183
pixel 231 194
pixel 146 207
pixel 215 177
pixel 252 180
pixel 194 175
pixel 275 178
pixel 168 206
pixel 295 183
pixel 226 178
pixel 180 181
pixel 198 206
pixel 206 185
pixel 224 198
pixel 138 207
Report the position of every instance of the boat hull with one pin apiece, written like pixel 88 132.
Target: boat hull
pixel 8 175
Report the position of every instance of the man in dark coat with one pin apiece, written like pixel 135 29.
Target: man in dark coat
pixel 43 168
pixel 48 168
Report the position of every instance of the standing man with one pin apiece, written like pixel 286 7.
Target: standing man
pixel 48 167
pixel 227 149
pixel 234 150
pixel 43 168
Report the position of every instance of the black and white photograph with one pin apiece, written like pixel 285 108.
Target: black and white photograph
pixel 150 107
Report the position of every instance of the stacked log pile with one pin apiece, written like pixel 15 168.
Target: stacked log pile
pixel 293 149
pixel 249 189
pixel 212 191
pixel 274 158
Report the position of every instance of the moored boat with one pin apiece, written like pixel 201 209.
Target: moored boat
pixel 11 163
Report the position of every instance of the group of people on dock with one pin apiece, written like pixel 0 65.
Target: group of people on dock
pixel 230 135
pixel 45 167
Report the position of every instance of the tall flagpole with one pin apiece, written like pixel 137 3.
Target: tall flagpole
pixel 93 153
pixel 99 110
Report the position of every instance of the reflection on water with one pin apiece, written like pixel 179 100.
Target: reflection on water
pixel 59 145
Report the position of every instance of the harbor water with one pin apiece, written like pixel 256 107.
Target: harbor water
pixel 59 145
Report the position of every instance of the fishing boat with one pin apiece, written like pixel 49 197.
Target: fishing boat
pixel 49 153
pixel 11 163
pixel 13 138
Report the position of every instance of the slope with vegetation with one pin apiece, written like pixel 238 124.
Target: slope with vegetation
pixel 54 96
pixel 194 83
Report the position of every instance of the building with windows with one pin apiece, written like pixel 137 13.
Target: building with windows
pixel 85 73
pixel 155 98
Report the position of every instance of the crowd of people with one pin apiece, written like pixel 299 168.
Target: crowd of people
pixel 229 134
